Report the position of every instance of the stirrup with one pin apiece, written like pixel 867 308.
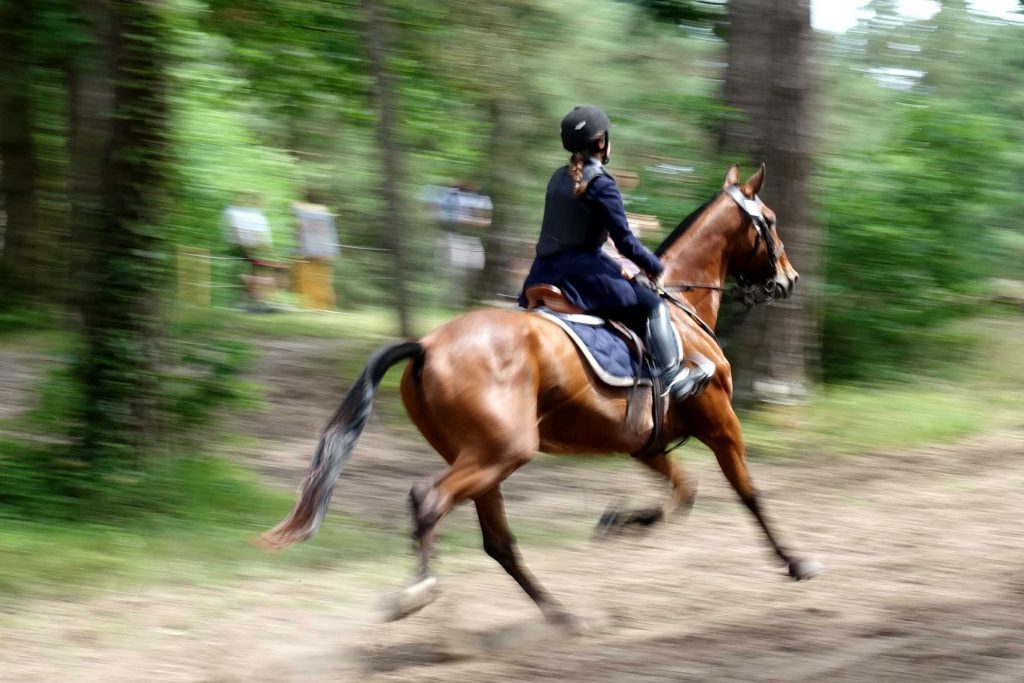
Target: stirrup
pixel 689 382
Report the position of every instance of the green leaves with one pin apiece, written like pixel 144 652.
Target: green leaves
pixel 916 185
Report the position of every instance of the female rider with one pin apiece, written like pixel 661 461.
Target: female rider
pixel 582 209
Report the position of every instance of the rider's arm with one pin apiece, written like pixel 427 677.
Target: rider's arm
pixel 605 199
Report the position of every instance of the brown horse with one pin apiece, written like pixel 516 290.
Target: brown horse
pixel 492 387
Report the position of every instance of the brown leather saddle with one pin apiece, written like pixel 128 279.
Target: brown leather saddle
pixel 550 297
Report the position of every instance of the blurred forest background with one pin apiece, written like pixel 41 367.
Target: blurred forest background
pixel 895 156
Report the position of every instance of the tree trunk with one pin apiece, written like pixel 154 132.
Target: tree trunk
pixel 118 309
pixel 90 95
pixel 769 81
pixel 19 254
pixel 378 38
pixel 501 189
pixel 747 82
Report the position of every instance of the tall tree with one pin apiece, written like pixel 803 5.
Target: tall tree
pixel 378 42
pixel 116 367
pixel 769 84
pixel 90 92
pixel 18 188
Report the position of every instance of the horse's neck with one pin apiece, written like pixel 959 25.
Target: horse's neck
pixel 698 258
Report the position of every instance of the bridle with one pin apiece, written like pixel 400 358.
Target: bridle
pixel 748 292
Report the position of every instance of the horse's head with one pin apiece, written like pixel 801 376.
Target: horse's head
pixel 756 254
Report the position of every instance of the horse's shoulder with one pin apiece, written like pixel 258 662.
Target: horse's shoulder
pixel 697 338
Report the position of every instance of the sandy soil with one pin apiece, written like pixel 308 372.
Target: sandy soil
pixel 925 580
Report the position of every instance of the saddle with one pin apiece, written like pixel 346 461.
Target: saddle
pixel 550 297
pixel 600 339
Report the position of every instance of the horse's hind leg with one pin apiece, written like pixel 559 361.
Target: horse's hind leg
pixel 484 438
pixel 432 499
pixel 683 495
pixel 500 544
pixel 726 441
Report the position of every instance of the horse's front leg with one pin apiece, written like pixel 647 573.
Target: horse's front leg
pixel 684 493
pixel 723 435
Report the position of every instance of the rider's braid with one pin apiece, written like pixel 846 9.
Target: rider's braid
pixel 576 173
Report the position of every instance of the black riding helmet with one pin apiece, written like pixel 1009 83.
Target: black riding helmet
pixel 582 125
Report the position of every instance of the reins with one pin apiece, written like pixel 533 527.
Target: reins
pixel 686 308
pixel 689 287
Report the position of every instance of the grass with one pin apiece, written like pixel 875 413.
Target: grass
pixel 194 522
pixel 851 420
pixel 198 531
pixel 979 393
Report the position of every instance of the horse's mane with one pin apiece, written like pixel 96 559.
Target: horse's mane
pixel 684 226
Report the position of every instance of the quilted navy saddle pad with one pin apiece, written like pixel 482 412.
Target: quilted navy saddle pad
pixel 612 360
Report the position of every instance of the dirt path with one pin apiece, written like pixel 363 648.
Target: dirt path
pixel 925 581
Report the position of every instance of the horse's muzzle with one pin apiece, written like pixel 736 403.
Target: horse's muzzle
pixel 785 283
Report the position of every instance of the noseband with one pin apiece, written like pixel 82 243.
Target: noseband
pixel 751 293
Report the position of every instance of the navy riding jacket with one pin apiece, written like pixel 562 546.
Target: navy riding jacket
pixel 587 276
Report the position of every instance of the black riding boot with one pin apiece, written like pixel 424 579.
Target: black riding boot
pixel 680 382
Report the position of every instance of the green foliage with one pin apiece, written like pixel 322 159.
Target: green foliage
pixel 202 377
pixel 26 319
pixel 44 475
pixel 915 203
pixel 683 11
pixel 902 243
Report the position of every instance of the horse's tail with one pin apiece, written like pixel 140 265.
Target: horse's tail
pixel 335 447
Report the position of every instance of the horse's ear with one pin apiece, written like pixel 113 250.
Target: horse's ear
pixel 753 184
pixel 732 176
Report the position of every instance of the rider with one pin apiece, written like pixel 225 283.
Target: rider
pixel 582 209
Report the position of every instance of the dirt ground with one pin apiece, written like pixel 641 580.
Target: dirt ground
pixel 923 549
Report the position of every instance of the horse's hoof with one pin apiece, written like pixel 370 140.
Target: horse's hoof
pixel 570 623
pixel 411 599
pixel 610 520
pixel 805 570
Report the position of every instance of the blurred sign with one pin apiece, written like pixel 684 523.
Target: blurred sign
pixel 627 180
pixel 641 224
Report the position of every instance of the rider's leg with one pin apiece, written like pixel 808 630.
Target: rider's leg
pixel 665 352
pixel 650 318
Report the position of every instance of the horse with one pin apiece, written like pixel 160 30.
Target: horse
pixel 492 387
